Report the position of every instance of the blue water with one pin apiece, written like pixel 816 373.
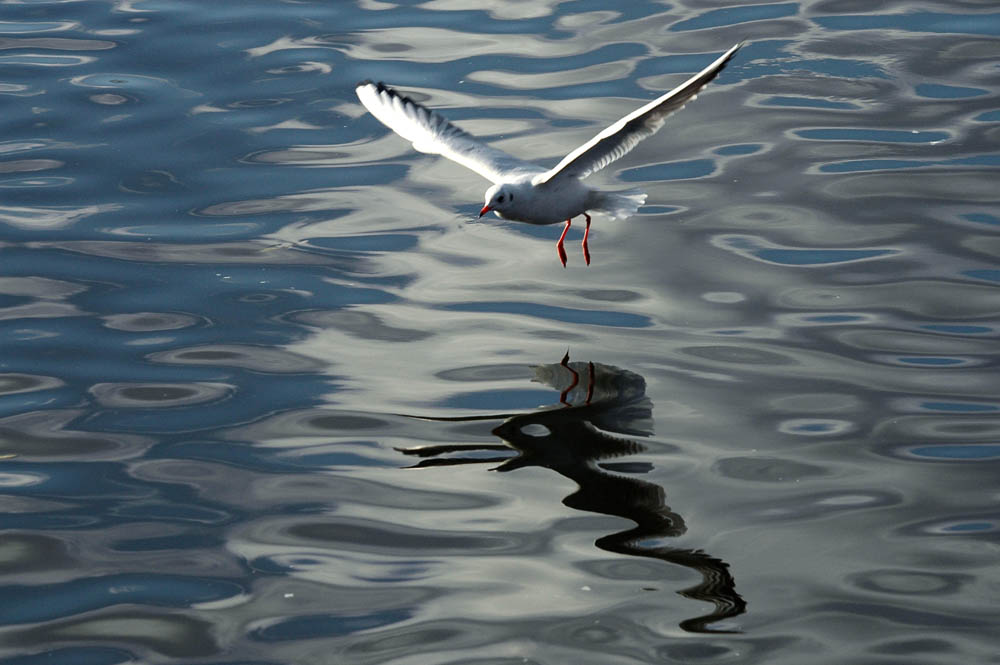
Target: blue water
pixel 270 392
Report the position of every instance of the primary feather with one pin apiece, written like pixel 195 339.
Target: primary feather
pixel 618 139
pixel 432 133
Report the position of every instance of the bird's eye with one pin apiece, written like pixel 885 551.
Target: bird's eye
pixel 500 199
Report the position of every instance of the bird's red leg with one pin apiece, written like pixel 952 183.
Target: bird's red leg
pixel 586 234
pixel 576 380
pixel 559 245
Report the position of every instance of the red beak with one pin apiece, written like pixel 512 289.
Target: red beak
pixel 485 210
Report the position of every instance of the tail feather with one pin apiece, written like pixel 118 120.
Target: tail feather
pixel 619 205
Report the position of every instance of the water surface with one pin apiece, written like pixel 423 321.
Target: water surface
pixel 270 392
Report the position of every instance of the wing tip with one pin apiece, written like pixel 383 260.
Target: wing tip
pixel 381 91
pixel 721 62
pixel 378 85
pixel 731 53
pixel 375 94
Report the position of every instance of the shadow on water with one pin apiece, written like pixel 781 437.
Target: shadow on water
pixel 576 438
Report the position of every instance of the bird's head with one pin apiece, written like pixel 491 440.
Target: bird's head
pixel 499 198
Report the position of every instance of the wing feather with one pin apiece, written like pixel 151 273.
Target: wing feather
pixel 432 133
pixel 621 137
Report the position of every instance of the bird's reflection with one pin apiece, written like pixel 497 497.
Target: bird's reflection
pixel 599 407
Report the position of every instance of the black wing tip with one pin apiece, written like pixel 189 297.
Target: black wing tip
pixel 383 89
pixel 378 85
pixel 733 50
pixel 727 57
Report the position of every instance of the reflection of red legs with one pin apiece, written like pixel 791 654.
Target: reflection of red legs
pixel 591 372
pixel 559 245
pixel 586 233
pixel 590 382
pixel 576 380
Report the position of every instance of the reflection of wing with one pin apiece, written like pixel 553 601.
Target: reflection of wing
pixel 431 133
pixel 717 587
pixel 570 448
pixel 618 139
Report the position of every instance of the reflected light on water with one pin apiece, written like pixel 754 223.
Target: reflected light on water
pixel 222 286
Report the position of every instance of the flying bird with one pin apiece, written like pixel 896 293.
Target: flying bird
pixel 523 191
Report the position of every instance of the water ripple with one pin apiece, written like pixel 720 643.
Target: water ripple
pixel 225 283
pixel 822 505
pixel 759 249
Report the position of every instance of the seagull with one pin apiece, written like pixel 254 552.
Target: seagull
pixel 523 191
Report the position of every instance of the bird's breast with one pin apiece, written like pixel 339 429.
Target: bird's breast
pixel 548 203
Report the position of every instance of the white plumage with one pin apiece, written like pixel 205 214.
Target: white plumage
pixel 523 191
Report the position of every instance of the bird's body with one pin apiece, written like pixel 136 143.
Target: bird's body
pixel 549 202
pixel 526 192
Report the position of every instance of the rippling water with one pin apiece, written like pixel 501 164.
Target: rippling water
pixel 269 392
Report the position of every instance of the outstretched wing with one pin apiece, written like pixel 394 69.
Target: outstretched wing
pixel 432 133
pixel 621 137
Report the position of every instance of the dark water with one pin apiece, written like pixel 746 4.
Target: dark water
pixel 258 358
